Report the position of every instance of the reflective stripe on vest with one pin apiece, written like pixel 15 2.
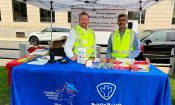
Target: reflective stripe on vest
pixel 121 47
pixel 84 40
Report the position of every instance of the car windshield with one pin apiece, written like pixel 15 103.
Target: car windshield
pixel 43 30
pixel 144 34
pixel 56 30
pixel 46 30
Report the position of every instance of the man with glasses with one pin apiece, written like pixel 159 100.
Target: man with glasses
pixel 123 43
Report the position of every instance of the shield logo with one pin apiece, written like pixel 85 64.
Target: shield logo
pixel 106 90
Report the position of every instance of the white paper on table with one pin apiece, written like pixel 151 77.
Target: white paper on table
pixel 143 68
pixel 38 62
pixel 56 57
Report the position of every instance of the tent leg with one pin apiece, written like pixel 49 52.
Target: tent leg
pixel 51 53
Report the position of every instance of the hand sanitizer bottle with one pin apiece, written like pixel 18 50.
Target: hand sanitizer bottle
pixel 83 56
pixel 79 55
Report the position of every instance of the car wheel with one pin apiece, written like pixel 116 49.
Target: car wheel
pixel 33 40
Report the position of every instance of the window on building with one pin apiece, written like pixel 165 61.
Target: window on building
pixel 173 18
pixel 0 15
pixel 136 16
pixel 19 11
pixel 45 15
pixel 69 16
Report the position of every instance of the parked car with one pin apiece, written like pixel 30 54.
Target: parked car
pixel 45 35
pixel 157 44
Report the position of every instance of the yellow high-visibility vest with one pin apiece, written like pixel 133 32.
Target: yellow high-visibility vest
pixel 121 48
pixel 84 40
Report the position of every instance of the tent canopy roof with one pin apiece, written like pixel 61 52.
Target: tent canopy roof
pixel 131 5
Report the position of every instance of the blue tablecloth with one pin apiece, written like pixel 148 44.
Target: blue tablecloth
pixel 73 84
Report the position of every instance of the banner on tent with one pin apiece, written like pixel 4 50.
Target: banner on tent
pixel 100 20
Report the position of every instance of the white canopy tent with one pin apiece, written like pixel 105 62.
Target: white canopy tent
pixel 66 5
pixel 134 5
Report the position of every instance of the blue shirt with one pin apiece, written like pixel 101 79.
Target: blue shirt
pixel 136 46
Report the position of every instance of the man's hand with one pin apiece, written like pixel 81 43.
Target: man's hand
pixel 148 60
pixel 74 58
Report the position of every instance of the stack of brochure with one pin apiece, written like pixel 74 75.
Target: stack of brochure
pixel 122 64
pixel 140 66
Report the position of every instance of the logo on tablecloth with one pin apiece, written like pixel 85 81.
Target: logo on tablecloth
pixel 64 94
pixel 106 90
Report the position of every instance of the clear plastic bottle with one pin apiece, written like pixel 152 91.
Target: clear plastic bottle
pixel 83 56
pixel 79 58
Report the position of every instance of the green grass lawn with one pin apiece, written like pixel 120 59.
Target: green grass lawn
pixel 5 91
pixel 172 83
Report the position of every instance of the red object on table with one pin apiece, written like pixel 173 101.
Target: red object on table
pixel 10 65
pixel 141 62
pixel 14 63
pixel 120 67
pixel 117 62
pixel 31 49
